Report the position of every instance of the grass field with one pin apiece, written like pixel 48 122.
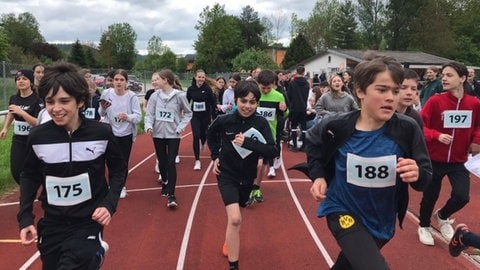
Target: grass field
pixel 6 180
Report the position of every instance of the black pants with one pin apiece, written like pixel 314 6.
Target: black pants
pixel 459 178
pixel 125 144
pixel 360 250
pixel 68 244
pixel 199 126
pixel 298 120
pixel 17 156
pixel 166 151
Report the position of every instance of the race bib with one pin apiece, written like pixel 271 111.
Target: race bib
pixel 89 113
pixel 267 113
pixel 199 106
pixel 376 172
pixel 22 128
pixel 253 134
pixel 165 115
pixel 68 191
pixel 457 119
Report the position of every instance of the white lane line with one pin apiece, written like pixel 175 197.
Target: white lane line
pixel 191 215
pixel 30 261
pixel 310 228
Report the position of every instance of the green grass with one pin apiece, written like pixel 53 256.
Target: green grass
pixel 7 88
pixel 6 179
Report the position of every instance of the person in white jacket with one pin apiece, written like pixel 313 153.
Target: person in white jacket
pixel 168 113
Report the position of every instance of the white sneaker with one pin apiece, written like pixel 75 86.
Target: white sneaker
pixel 177 159
pixel 198 165
pixel 159 178
pixel 445 226
pixel 156 167
pixel 425 236
pixel 271 172
pixel 277 162
pixel 123 194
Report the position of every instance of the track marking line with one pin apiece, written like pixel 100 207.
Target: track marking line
pixel 30 261
pixel 191 215
pixel 310 228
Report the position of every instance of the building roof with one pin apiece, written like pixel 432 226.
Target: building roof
pixel 404 57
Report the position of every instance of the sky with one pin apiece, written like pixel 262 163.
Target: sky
pixel 65 21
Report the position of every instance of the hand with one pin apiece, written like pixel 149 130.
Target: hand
pixel 149 131
pixel 445 138
pixel 239 139
pixel 407 169
pixel 15 109
pixel 105 104
pixel 102 216
pixel 122 116
pixel 3 134
pixel 319 189
pixel 282 106
pixel 28 235
pixel 215 169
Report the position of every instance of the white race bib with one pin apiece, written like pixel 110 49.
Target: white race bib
pixel 253 134
pixel 68 191
pixel 89 113
pixel 22 128
pixel 165 115
pixel 199 106
pixel 376 172
pixel 267 113
pixel 457 119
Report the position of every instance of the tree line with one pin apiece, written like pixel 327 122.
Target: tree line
pixel 447 28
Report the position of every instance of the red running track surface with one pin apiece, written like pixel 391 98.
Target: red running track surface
pixel 281 233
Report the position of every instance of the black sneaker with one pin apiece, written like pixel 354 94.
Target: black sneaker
pixel 456 245
pixel 172 202
pixel 164 191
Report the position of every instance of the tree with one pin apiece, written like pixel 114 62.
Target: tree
pixel 209 14
pixel 77 56
pixel 22 31
pixel 120 49
pixel 274 25
pixel 156 46
pixel 402 16
pixel 90 60
pixel 345 26
pixel 219 41
pixel 252 58
pixel 251 28
pixel 3 46
pixel 371 15
pixel 298 51
pixel 47 51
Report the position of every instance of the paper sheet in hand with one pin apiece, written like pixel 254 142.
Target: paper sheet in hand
pixel 253 134
pixel 473 165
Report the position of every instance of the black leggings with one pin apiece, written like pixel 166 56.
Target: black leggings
pixel 199 131
pixel 459 179
pixel 125 144
pixel 360 250
pixel 166 151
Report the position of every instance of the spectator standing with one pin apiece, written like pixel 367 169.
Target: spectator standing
pixel 361 198
pixel 38 71
pixel 122 111
pixel 336 100
pixel 168 113
pixel 433 84
pixel 451 123
pixel 23 109
pixel 228 98
pixel 473 87
pixel 297 96
pixel 69 235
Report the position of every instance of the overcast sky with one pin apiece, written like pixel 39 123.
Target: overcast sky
pixel 173 21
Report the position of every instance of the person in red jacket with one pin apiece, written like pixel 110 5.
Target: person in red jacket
pixel 451 124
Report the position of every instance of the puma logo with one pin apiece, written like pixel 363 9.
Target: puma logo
pixel 90 150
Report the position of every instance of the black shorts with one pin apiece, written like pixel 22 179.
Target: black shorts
pixel 234 191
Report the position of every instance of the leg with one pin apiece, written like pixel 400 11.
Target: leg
pixel 161 153
pixel 430 194
pixel 172 151
pixel 459 178
pixel 17 156
pixel 232 235
pixel 195 123
pixel 356 256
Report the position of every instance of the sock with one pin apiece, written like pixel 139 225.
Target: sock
pixel 233 265
pixel 255 187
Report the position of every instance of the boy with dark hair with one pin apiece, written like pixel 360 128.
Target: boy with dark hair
pixel 297 95
pixel 242 136
pixel 76 198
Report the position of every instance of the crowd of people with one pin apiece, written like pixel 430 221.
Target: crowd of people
pixel 368 133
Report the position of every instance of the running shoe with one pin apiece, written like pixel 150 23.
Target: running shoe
pixel 445 226
pixel 164 188
pixel 277 162
pixel 197 166
pixel 156 166
pixel 159 178
pixel 456 245
pixel 101 252
pixel 224 249
pixel 172 202
pixel 271 172
pixel 257 195
pixel 425 236
pixel 123 193
pixel 177 159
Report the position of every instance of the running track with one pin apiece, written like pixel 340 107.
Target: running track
pixel 280 233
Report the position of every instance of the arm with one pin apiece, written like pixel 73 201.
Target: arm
pixel 136 114
pixel 214 138
pixel 268 149
pixel 422 159
pixel 150 113
pixel 6 125
pixel 187 113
